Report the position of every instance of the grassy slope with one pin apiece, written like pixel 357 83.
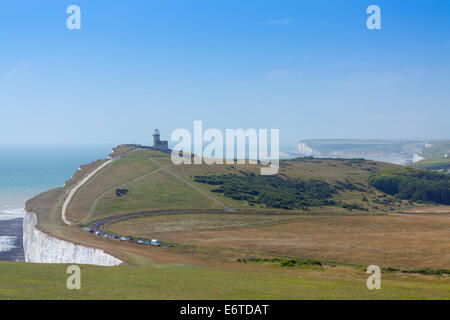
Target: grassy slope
pixel 153 188
pixel 153 192
pixel 123 170
pixel 432 164
pixel 34 281
pixel 329 170
pixel 150 188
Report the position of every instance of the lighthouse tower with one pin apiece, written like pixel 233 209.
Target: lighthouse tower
pixel 159 144
pixel 156 139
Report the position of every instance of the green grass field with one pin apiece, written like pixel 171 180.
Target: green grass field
pixel 36 281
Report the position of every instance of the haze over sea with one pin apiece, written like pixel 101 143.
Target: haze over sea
pixel 29 170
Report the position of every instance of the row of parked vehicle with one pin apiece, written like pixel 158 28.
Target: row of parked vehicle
pixel 153 242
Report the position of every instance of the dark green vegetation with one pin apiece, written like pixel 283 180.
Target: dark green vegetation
pixel 290 263
pixel 424 271
pixel 413 184
pixel 273 191
pixel 283 192
pixel 283 262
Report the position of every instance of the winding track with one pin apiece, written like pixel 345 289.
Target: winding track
pixel 82 182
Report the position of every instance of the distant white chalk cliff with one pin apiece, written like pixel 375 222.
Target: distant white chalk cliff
pixel 42 248
pixel 417 157
pixel 304 150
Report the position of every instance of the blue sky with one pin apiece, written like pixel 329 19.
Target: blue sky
pixel 310 68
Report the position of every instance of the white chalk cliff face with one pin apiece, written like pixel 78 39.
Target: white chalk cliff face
pixel 41 248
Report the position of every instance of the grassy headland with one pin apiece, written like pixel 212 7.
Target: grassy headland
pixel 354 229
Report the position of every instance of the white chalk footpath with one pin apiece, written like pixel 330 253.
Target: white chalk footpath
pixel 41 248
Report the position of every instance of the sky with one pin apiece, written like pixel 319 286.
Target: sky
pixel 309 68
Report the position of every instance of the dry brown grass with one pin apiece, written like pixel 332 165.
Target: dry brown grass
pixel 427 210
pixel 173 222
pixel 402 241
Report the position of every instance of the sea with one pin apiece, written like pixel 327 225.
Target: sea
pixel 26 171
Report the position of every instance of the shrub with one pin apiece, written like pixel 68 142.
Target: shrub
pixel 272 191
pixel 413 184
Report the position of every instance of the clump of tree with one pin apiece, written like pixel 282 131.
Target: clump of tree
pixel 413 184
pixel 272 191
pixel 121 192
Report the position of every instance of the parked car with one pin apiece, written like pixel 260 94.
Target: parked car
pixel 124 239
pixel 155 242
pixel 148 243
pixel 141 241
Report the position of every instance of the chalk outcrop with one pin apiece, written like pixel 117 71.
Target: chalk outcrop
pixel 42 248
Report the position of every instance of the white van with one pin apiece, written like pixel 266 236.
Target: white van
pixel 155 242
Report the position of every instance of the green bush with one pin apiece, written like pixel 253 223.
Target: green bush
pixel 272 191
pixel 413 184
